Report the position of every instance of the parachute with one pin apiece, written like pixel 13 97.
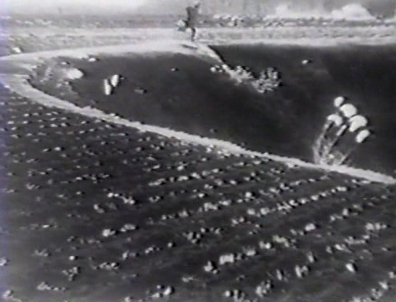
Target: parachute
pixel 115 80
pixel 357 122
pixel 336 119
pixel 348 110
pixel 338 101
pixel 362 136
pixel 107 87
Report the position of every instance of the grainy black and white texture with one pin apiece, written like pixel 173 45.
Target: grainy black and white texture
pixel 92 211
pixel 97 212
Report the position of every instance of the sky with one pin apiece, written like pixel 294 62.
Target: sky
pixel 26 6
pixel 165 6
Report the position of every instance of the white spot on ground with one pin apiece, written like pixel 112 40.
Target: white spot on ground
pixel 74 74
pixel 351 267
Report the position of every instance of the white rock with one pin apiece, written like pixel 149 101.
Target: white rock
pixel 228 258
pixel 74 74
pixel 108 233
pixel 140 91
pixel 310 227
pixel 263 289
pixel 249 195
pixel 228 294
pixel 250 252
pixel 384 285
pixel 17 49
pixel 209 267
pixel 299 272
pixel 311 257
pixel 279 275
pixel 351 267
pixel 128 227
pixel 111 195
pixel 168 291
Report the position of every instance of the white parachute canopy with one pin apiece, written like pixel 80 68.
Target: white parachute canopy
pixel 107 87
pixel 348 110
pixel 338 101
pixel 336 119
pixel 362 136
pixel 115 80
pixel 356 122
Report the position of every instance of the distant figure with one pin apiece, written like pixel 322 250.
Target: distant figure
pixel 192 19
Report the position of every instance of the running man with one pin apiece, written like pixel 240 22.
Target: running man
pixel 192 19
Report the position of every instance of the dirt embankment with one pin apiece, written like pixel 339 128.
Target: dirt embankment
pixel 31 39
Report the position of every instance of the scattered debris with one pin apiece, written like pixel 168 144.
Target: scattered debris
pixel 263 288
pixel 210 267
pixel 268 81
pixel 140 90
pixel 163 291
pixel 128 227
pixel 41 253
pixel 108 233
pixel 228 258
pixel 43 286
pixel 301 271
pixel 375 227
pixel 109 266
pixel 351 267
pixel 236 294
pixel 72 273
pixel 310 227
